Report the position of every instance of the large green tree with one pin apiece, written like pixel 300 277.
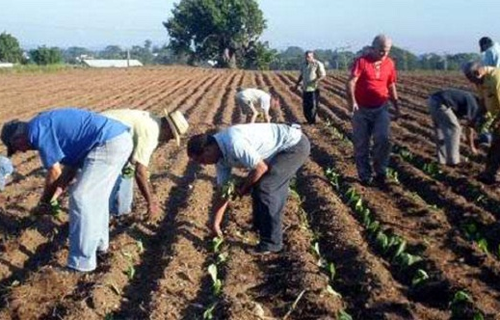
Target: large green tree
pixel 10 51
pixel 219 30
pixel 45 56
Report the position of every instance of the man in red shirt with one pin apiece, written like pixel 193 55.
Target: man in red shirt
pixel 371 85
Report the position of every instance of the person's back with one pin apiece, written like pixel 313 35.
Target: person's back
pixel 68 142
pixel 463 103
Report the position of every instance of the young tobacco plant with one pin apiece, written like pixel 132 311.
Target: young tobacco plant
pixel 216 282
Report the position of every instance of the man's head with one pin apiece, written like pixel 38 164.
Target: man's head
pixel 275 99
pixel 309 56
pixel 381 46
pixel 485 43
pixel 474 71
pixel 174 125
pixel 203 149
pixel 14 137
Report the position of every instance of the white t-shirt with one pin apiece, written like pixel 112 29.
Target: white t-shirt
pixel 255 97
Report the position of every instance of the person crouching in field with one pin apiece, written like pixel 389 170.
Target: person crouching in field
pixel 254 101
pixel 83 148
pixel 487 81
pixel 148 131
pixel 272 153
pixel 370 87
pixel 447 107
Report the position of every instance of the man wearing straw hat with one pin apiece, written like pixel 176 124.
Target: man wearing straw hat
pixel 86 150
pixel 148 131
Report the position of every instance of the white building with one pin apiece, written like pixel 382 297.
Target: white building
pixel 104 63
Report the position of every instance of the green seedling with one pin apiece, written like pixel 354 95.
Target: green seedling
pixel 130 272
pixel 482 244
pixel 222 257
pixel 332 291
pixel 373 227
pixel 55 209
pixel 331 270
pixel 406 154
pixel 382 240
pixel 216 243
pixel 407 260
pixel 128 172
pixel 209 312
pixel 216 283
pixel 342 315
pixel 140 246
pixel 478 316
pixel 420 277
pixel 461 296
pixel 229 190
pixel 393 175
pixel 333 177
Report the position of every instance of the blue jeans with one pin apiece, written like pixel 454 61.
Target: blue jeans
pixel 122 196
pixel 368 123
pixel 89 200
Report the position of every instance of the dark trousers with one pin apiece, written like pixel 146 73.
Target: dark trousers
pixel 310 101
pixel 493 159
pixel 270 194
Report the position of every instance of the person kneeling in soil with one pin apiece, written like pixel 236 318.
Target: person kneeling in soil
pixel 148 131
pixel 447 107
pixel 248 100
pixel 87 150
pixel 273 153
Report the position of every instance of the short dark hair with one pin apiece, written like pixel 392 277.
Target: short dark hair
pixel 485 43
pixel 197 144
pixel 308 52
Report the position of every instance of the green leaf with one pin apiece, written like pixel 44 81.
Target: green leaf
pixel 419 277
pixel 373 227
pixel 483 245
pixel 461 296
pixel 130 272
pixel 216 243
pixel 212 271
pixel 222 257
pixel 381 240
pixel 331 291
pixel 478 316
pixel 208 314
pixel 331 270
pixel 342 315
pixel 217 287
pixel 401 248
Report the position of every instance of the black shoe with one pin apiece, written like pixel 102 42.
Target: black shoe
pixel 259 250
pixel 487 179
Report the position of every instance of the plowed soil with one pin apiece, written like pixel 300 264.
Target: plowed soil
pixel 160 271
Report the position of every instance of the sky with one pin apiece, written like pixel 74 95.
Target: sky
pixel 441 26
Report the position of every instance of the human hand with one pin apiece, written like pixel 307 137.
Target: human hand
pixel 216 230
pixel 354 108
pixel 154 211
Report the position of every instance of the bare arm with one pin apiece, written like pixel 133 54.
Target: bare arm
pixel 51 182
pixel 351 87
pixel 142 179
pixel 393 93
pixel 253 177
pixel 219 210
pixel 470 136
pixel 299 80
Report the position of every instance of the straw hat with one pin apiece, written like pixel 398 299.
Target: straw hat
pixel 177 123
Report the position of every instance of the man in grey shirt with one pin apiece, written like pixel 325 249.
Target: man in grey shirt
pixel 272 153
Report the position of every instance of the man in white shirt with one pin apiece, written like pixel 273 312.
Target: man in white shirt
pixel 272 153
pixel 490 52
pixel 147 132
pixel 254 101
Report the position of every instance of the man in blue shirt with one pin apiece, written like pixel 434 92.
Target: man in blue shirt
pixel 272 153
pixel 85 149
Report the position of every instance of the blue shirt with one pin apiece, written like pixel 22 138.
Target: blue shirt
pixel 491 57
pixel 245 145
pixel 68 135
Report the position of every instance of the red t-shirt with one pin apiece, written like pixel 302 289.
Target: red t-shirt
pixel 372 87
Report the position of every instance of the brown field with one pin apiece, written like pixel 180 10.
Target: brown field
pixel 160 271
